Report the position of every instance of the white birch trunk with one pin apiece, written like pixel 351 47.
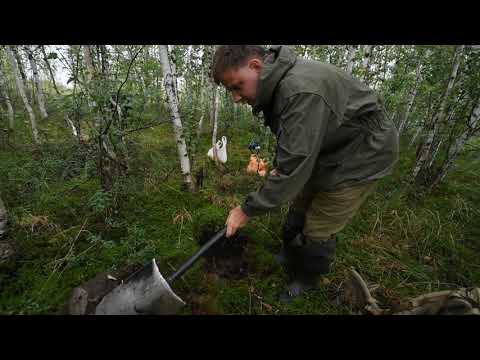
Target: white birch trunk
pixel 305 51
pixel 173 69
pixel 215 101
pixel 4 94
pixel 456 149
pixel 440 116
pixel 38 85
pixel 419 130
pixel 202 116
pixel 411 98
pixel 177 123
pixel 49 68
pixel 87 57
pixel 3 218
pixel 214 113
pixel 21 71
pixel 367 54
pixel 91 71
pixel 52 79
pixel 352 50
pixel 23 95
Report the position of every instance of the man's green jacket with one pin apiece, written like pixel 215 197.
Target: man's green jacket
pixel 332 130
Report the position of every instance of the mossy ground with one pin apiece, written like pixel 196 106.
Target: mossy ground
pixel 404 244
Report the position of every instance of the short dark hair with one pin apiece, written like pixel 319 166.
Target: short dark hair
pixel 232 57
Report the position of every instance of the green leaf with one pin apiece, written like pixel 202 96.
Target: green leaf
pixel 52 55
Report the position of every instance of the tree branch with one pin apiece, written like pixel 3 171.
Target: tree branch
pixel 120 88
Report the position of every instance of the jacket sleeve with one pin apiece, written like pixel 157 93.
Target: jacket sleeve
pixel 303 124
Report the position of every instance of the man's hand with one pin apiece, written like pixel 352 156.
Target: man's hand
pixel 236 220
pixel 274 172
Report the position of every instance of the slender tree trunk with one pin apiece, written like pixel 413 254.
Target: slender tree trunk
pixel 21 70
pixel 173 68
pixel 419 130
pixel 352 50
pixel 3 218
pixel 38 85
pixel 411 98
pixel 367 55
pixel 69 122
pixel 4 94
pixel 23 95
pixel 91 72
pixel 214 113
pixel 87 56
pixel 215 103
pixel 202 115
pixel 426 149
pixel 177 123
pixel 457 148
pixel 49 68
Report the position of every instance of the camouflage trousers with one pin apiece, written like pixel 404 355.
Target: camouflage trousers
pixel 320 215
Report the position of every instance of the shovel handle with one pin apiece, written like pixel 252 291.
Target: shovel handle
pixel 197 255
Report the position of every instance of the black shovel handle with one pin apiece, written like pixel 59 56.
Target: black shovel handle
pixel 197 255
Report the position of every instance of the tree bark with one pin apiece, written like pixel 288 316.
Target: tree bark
pixel 201 104
pixel 6 98
pixel 169 84
pixel 23 95
pixel 36 78
pixel 88 60
pixel 352 50
pixel 215 102
pixel 411 98
pixel 21 70
pixel 49 68
pixel 367 54
pixel 457 148
pixel 69 122
pixel 3 218
pixel 426 148
pixel 214 114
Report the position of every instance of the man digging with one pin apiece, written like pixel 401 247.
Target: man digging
pixel 334 141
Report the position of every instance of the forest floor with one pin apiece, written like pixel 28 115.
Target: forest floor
pixel 65 230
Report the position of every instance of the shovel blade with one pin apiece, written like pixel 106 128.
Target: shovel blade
pixel 145 293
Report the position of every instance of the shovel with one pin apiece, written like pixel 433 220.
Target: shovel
pixel 146 292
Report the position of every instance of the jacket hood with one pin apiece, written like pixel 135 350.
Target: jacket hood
pixel 277 62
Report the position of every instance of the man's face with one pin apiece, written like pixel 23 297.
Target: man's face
pixel 242 82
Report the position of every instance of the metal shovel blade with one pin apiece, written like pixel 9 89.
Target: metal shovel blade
pixel 145 293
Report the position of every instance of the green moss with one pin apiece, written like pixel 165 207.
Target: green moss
pixel 405 244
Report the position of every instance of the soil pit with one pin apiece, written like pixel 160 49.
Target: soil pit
pixel 226 258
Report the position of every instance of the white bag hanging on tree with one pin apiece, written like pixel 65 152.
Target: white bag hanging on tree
pixel 221 147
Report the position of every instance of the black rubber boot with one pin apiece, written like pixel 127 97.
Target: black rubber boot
pixel 308 264
pixel 292 227
pixel 281 258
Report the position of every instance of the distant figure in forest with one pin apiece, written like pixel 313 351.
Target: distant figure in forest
pixel 334 141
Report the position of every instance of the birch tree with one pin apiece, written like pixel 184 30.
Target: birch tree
pixel 49 68
pixel 367 55
pixel 40 96
pixel 75 129
pixel 214 112
pixel 352 51
pixel 23 95
pixel 411 98
pixel 21 71
pixel 473 127
pixel 6 99
pixel 169 84
pixel 426 147
pixel 3 218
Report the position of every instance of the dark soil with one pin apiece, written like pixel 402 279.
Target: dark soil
pixel 227 257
